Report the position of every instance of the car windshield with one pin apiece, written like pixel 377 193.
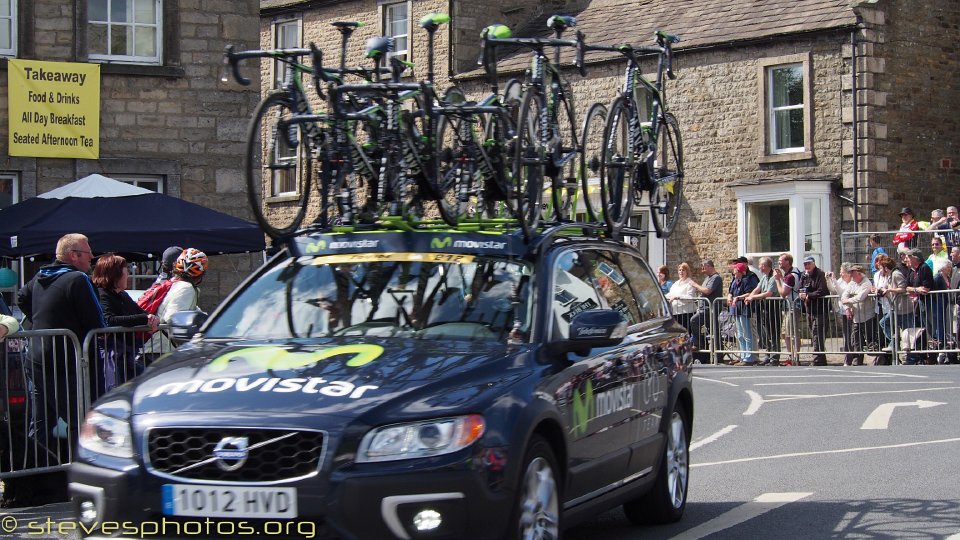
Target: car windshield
pixel 415 295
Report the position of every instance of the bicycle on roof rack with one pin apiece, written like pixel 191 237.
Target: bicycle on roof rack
pixel 285 136
pixel 547 142
pixel 642 152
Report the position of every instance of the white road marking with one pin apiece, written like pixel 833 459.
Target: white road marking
pixel 880 417
pixel 711 438
pixel 745 512
pixel 756 400
pixel 714 380
pixel 825 452
pixel 849 382
pixel 954 537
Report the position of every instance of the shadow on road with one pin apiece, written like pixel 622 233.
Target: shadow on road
pixel 871 518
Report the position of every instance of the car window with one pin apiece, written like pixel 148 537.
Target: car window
pixel 573 289
pixel 610 279
pixel 415 295
pixel 646 291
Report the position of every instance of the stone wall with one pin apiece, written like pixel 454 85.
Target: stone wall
pixel 908 93
pixel 178 120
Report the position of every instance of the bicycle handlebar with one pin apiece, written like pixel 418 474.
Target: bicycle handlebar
pixel 233 58
pixel 537 44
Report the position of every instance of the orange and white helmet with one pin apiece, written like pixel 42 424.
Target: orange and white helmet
pixel 192 262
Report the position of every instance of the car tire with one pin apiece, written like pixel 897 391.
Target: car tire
pixel 667 499
pixel 537 507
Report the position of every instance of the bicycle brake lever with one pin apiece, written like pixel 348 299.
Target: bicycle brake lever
pixel 231 59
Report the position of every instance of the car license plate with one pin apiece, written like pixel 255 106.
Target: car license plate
pixel 229 501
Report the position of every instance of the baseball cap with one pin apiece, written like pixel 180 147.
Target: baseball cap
pixel 907 210
pixel 857 268
pixel 170 256
pixel 739 267
pixel 808 259
pixel 915 252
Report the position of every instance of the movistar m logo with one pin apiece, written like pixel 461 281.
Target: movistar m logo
pixel 316 247
pixel 583 408
pixel 278 358
pixel 440 243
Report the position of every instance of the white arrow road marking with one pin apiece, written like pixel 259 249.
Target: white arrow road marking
pixel 824 452
pixel 745 512
pixel 711 438
pixel 696 378
pixel 756 400
pixel 880 417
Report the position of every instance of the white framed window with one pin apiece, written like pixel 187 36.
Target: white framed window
pixel 284 178
pixel 8 27
pixel 9 189
pixel 791 217
pixel 125 31
pixel 395 21
pixel 785 96
pixel 153 182
pixel 286 35
pixel 787 108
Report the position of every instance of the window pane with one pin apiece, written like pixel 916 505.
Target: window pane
pixel 645 289
pixel 97 38
pixel 788 125
pixel 6 191
pixel 288 35
pixel 97 10
pixel 146 12
pixel 146 43
pixel 120 10
pixel 5 8
pixel 121 40
pixel 768 227
pixel 152 186
pixel 812 237
pixel 787 86
pixel 5 34
pixel 400 44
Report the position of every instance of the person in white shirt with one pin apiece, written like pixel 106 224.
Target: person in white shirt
pixel 861 310
pixel 188 272
pixel 682 296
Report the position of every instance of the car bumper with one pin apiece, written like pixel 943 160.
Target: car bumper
pixel 455 503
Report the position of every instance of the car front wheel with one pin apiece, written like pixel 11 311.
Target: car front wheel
pixel 668 497
pixel 537 508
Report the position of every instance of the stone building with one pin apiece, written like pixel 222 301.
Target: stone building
pixel 780 153
pixel 167 122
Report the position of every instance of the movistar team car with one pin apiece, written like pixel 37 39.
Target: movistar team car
pixel 406 385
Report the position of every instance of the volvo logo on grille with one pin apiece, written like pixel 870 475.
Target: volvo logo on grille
pixel 231 453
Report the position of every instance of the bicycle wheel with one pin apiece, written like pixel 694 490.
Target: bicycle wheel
pixel 528 163
pixel 617 166
pixel 495 163
pixel 562 168
pixel 667 174
pixel 275 168
pixel 454 171
pixel 591 140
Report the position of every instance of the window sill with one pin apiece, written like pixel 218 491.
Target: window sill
pixel 782 158
pixel 136 69
pixel 282 198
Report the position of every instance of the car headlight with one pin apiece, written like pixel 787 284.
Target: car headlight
pixel 106 430
pixel 420 439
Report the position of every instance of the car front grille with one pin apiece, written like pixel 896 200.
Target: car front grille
pixel 271 454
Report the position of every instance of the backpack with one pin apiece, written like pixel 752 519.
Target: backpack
pixel 151 298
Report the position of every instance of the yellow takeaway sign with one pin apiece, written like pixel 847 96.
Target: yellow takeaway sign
pixel 54 109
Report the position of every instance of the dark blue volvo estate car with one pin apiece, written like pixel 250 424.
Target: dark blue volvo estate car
pixel 408 385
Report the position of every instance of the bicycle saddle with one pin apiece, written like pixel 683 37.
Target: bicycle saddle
pixel 377 47
pixel 496 31
pixel 433 20
pixel 561 22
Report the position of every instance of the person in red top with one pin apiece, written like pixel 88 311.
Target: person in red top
pixel 908 224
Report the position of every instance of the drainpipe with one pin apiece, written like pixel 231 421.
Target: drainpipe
pixel 856 142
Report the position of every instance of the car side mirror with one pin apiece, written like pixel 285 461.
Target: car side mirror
pixel 184 324
pixel 591 329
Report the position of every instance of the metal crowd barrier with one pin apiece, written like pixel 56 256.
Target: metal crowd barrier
pixel 925 332
pixel 50 382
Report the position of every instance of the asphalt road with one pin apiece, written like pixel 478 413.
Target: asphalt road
pixel 834 452
pixel 802 452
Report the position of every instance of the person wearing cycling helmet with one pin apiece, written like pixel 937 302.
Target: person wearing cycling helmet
pixel 188 272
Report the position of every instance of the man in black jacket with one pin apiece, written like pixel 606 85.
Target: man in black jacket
pixel 813 289
pixel 61 295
